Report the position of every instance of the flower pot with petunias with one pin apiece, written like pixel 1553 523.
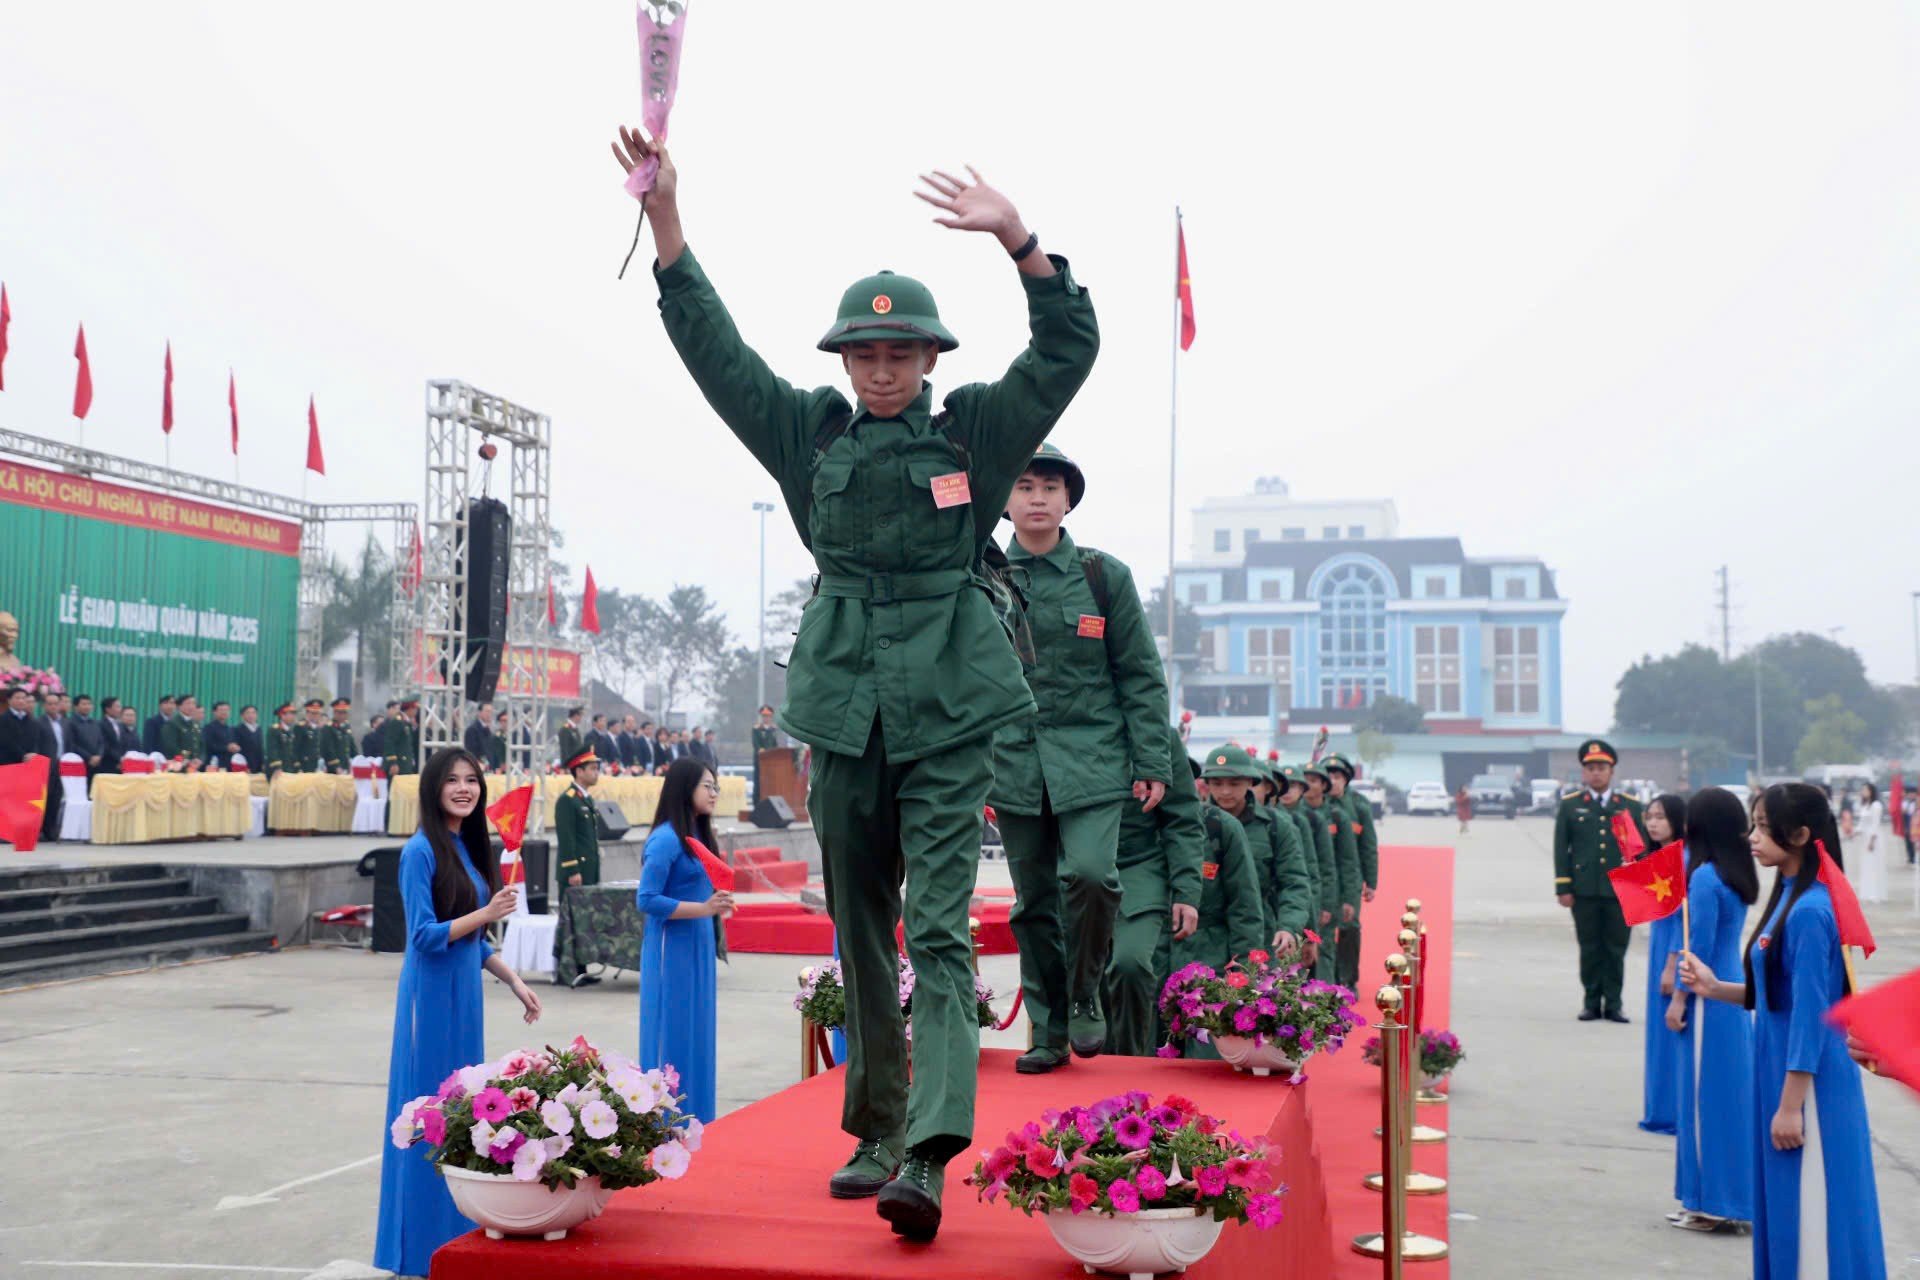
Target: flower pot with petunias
pixel 1259 1015
pixel 822 998
pixel 1440 1052
pixel 536 1143
pixel 1133 1187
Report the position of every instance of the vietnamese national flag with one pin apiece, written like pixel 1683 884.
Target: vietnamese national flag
pixel 1653 887
pixel 509 815
pixel 553 613
pixel 6 318
pixel 1846 907
pixel 83 378
pixel 717 871
pixel 166 395
pixel 590 605
pixel 1186 295
pixel 1886 1020
pixel 316 461
pixel 1626 833
pixel 233 411
pixel 23 802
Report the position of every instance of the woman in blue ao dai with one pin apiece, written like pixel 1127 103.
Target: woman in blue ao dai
pixel 450 886
pixel 1714 1157
pixel 677 955
pixel 1666 821
pixel 1794 974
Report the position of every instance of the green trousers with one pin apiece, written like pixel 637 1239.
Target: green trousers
pixel 880 824
pixel 1603 935
pixel 1141 960
pixel 1346 956
pixel 1067 892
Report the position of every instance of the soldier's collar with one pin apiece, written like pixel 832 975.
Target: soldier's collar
pixel 916 415
pixel 1061 557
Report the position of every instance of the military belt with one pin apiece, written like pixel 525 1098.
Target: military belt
pixel 885 588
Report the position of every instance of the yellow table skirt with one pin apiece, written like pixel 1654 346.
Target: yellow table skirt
pixel 636 796
pixel 310 802
pixel 141 808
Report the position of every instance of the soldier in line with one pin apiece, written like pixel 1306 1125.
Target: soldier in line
pixel 1585 848
pixel 1161 852
pixel 1279 864
pixel 180 739
pixel 400 751
pixel 1232 917
pixel 1357 815
pixel 1332 823
pixel 337 747
pixel 283 753
pixel 1314 835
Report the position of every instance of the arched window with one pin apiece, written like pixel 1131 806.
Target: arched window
pixel 1353 635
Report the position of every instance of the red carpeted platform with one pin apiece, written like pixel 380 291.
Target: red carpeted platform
pixel 755 1206
pixel 781 928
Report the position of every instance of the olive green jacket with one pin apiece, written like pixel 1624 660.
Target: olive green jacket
pixel 1169 841
pixel 1309 863
pixel 1280 868
pixel 578 834
pixel 902 629
pixel 283 754
pixel 1232 919
pixel 337 748
pixel 179 737
pixel 1333 819
pixel 1315 836
pixel 1365 838
pixel 1584 847
pixel 1097 684
pixel 399 747
pixel 571 740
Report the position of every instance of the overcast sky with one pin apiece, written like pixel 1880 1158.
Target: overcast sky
pixel 1636 291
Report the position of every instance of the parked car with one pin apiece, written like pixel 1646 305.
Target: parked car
pixel 1396 797
pixel 1499 793
pixel 1546 796
pixel 1429 797
pixel 1376 796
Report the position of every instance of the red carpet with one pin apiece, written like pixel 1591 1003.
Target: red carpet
pixel 755 1205
pixel 781 928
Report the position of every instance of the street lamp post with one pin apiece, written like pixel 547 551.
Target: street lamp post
pixel 760 696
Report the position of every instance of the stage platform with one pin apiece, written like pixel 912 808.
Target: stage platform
pixel 755 1207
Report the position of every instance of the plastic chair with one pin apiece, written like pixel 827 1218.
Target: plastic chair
pixel 76 813
pixel 369 810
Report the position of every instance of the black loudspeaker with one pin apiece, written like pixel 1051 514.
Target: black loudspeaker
pixel 490 540
pixel 389 911
pixel 537 853
pixel 774 811
pixel 612 823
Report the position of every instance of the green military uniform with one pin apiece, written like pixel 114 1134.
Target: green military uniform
pixel 496 752
pixel 337 749
pixel 1357 820
pixel 306 745
pixel 578 832
pixel 1233 917
pixel 399 747
pixel 1584 850
pixel 901 670
pixel 1278 862
pixel 1062 777
pixel 765 738
pixel 572 741
pixel 1159 860
pixel 180 739
pixel 1316 836
pixel 1333 825
pixel 1303 838
pixel 283 755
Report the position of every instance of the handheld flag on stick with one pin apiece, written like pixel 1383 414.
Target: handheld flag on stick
pixel 1653 887
pixel 1886 1021
pixel 1846 907
pixel 1627 832
pixel 509 816
pixel 717 871
pixel 23 802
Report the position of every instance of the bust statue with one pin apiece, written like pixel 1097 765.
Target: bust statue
pixel 9 637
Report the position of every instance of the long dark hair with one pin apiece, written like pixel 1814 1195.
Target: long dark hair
pixel 1717 833
pixel 1675 807
pixel 1783 809
pixel 453 893
pixel 676 803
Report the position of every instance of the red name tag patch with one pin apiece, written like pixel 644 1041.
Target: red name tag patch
pixel 1093 627
pixel 951 490
pixel 1209 870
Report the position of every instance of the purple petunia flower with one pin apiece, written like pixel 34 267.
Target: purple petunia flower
pixel 1245 1020
pixel 1124 1196
pixel 1151 1183
pixel 1265 1210
pixel 1212 1179
pixel 1133 1132
pixel 1167 1051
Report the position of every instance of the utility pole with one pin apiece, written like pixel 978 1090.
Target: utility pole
pixel 1726 624
pixel 760 695
pixel 1916 637
pixel 1759 724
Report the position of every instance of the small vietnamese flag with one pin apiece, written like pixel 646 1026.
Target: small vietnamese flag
pixel 23 802
pixel 166 395
pixel 590 605
pixel 509 815
pixel 1886 1020
pixel 1184 289
pixel 1846 907
pixel 1653 887
pixel 717 871
pixel 1626 833
pixel 316 461
pixel 6 318
pixel 83 377
pixel 233 411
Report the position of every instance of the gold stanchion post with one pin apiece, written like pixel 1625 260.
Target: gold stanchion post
pixel 809 1058
pixel 1400 973
pixel 1387 1244
pixel 1409 942
pixel 973 937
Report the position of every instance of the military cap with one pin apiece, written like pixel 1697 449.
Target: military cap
pixel 342 702
pixel 313 702
pixel 1231 762
pixel 1292 775
pixel 285 706
pixel 1048 457
pixel 1316 766
pixel 1594 749
pixel 888 308
pixel 583 759
pixel 1337 763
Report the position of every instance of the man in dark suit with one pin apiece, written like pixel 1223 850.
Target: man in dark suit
pixel 624 741
pixel 89 736
pixel 115 741
pixel 51 739
pixel 18 732
pixel 218 744
pixel 371 740
pixel 479 733
pixel 150 732
pixel 711 748
pixel 253 748
pixel 601 741
pixel 643 747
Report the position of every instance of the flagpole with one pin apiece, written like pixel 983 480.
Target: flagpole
pixel 1173 456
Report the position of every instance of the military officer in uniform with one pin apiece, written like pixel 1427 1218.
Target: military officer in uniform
pixel 337 747
pixel 1062 777
pixel 572 740
pixel 765 738
pixel 1279 864
pixel 400 744
pixel 1160 854
pixel 1584 850
pixel 283 755
pixel 306 736
pixel 1358 811
pixel 180 740
pixel 1315 836
pixel 901 671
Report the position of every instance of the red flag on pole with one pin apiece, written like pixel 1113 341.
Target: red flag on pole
pixel 509 814
pixel 1886 1021
pixel 6 318
pixel 416 568
pixel 1186 296
pixel 83 379
pixel 23 802
pixel 166 396
pixel 590 605
pixel 1626 833
pixel 233 411
pixel 717 871
pixel 316 461
pixel 1653 887
pixel 1846 907
pixel 553 613
pixel 1896 794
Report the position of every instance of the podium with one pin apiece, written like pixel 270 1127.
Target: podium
pixel 775 774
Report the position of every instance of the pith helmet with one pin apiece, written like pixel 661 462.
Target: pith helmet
pixel 1338 763
pixel 1291 774
pixel 888 308
pixel 1231 762
pixel 1048 457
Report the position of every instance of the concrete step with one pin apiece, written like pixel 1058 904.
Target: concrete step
pixel 149 955
pixel 80 895
pixel 14 924
pixel 64 944
pixel 48 875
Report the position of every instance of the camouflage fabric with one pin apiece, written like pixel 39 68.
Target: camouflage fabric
pixel 602 924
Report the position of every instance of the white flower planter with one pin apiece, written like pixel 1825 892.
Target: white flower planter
pixel 504 1206
pixel 1137 1245
pixel 1262 1060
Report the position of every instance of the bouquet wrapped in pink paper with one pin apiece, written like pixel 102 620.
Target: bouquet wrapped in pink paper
pixel 662 25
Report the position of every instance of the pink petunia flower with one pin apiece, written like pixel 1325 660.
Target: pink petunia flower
pixel 669 1160
pixel 507 1143
pixel 1236 979
pixel 1150 1182
pixel 528 1161
pixel 1212 1179
pixel 1133 1132
pixel 1082 1192
pixel 403 1130
pixel 599 1120
pixel 556 1117
pixel 491 1105
pixel 693 1134
pixel 1124 1196
pixel 1265 1210
pixel 517 1063
pixel 450 1088
pixel 613 1151
pixel 1040 1162
pixel 433 1125
pixel 523 1099
pixel 1167 1051
pixel 1245 1019
pixel 557 1147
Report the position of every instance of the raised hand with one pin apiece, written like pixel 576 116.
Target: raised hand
pixel 970 206
pixel 633 149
